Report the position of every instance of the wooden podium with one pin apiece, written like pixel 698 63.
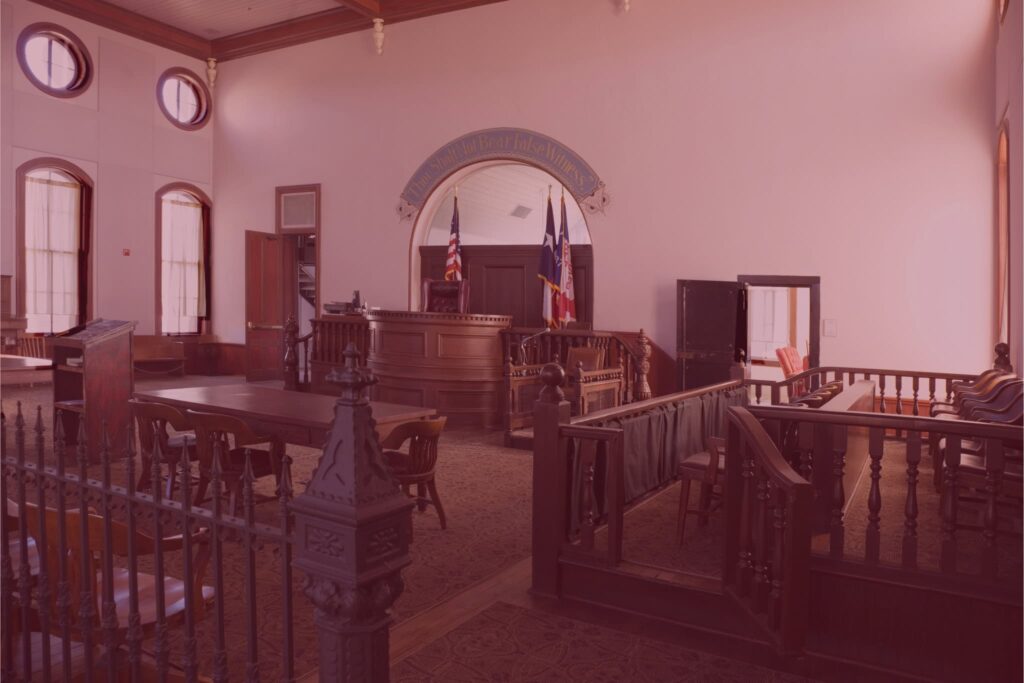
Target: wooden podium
pixel 448 361
pixel 92 382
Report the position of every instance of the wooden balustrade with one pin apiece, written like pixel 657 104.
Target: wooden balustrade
pixel 768 532
pixel 308 359
pixel 973 458
pixel 527 346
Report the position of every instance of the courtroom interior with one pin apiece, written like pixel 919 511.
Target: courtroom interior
pixel 511 340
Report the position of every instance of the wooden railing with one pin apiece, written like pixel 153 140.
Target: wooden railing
pixel 974 456
pixel 568 453
pixel 902 388
pixel 308 359
pixel 527 346
pixel 768 532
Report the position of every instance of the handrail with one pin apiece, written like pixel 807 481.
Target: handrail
pixel 768 532
pixel 984 430
pixel 642 406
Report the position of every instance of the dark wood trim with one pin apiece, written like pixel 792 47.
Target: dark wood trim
pixel 812 282
pixel 317 26
pixel 158 248
pixel 368 8
pixel 133 24
pixel 312 27
pixel 203 94
pixel 85 217
pixel 78 51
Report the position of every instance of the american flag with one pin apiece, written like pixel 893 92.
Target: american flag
pixel 565 308
pixel 548 270
pixel 453 264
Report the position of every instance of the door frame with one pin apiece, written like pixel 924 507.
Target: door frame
pixel 813 283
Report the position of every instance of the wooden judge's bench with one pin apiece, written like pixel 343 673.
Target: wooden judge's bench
pixel 448 361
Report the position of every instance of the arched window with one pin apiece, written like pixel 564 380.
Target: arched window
pixel 54 208
pixel 183 252
pixel 1003 237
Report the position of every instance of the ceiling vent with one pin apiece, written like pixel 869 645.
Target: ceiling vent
pixel 521 211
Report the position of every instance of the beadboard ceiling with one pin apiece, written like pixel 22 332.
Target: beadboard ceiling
pixel 487 199
pixel 218 18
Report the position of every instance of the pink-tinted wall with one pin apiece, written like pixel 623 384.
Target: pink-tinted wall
pixel 116 133
pixel 847 140
pixel 1009 107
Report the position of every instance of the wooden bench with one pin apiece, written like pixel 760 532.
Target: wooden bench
pixel 153 354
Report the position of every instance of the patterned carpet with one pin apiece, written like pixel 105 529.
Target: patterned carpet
pixel 512 644
pixel 485 489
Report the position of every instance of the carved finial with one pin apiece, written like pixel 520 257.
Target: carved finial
pixel 352 378
pixel 1002 361
pixel 378 35
pixel 553 378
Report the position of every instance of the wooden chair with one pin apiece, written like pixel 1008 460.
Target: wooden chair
pixel 703 467
pixel 981 391
pixel 792 364
pixel 173 590
pixel 153 419
pixel 32 345
pixel 418 465
pixel 212 428
pixel 592 386
pixel 445 296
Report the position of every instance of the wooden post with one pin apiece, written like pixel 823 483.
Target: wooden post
pixel 642 392
pixel 352 532
pixel 291 356
pixel 549 481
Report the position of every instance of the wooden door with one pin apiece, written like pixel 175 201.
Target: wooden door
pixel 264 306
pixel 711 331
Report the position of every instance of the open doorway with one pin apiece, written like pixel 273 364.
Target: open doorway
pixel 782 312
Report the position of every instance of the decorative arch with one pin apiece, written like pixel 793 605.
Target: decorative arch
pixel 85 226
pixel 207 205
pixel 504 144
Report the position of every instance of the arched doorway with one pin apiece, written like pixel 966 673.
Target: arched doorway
pixel 528 163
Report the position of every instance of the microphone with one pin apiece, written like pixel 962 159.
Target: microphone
pixel 522 344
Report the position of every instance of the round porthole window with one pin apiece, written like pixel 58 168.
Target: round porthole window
pixel 183 98
pixel 54 60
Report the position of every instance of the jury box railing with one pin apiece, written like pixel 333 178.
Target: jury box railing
pixel 790 478
pixel 84 553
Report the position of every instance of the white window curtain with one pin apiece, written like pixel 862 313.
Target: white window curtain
pixel 52 233
pixel 182 289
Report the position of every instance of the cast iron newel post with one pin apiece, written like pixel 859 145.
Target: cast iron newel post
pixel 352 528
pixel 550 472
pixel 291 356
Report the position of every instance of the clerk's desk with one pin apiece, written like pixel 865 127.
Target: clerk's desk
pixel 448 361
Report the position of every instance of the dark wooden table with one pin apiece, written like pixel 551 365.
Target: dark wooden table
pixel 295 417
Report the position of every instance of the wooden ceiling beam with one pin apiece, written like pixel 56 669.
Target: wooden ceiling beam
pixel 134 25
pixel 333 22
pixel 368 8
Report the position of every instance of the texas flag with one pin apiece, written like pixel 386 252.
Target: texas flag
pixel 548 270
pixel 565 308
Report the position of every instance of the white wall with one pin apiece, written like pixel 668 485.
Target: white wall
pixel 846 140
pixel 117 134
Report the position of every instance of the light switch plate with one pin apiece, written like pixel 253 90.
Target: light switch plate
pixel 829 327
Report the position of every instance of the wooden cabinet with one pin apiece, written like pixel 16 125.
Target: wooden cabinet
pixel 92 382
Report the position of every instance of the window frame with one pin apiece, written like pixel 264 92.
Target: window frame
pixel 205 107
pixel 85 200
pixel 207 209
pixel 75 46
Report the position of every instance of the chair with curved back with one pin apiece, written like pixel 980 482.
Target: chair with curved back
pixel 703 467
pixel 79 555
pixel 152 420
pixel 212 428
pixel 417 466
